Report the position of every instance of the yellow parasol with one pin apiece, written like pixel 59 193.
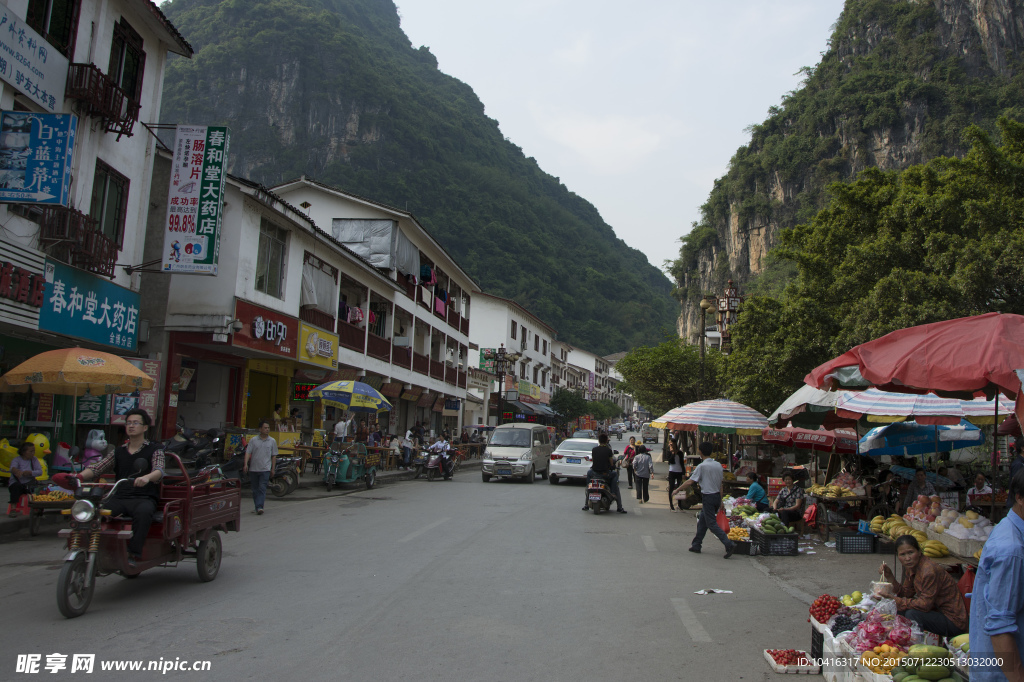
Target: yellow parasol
pixel 75 371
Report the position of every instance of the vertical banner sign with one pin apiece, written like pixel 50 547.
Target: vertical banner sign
pixel 35 157
pixel 92 409
pixel 30 63
pixel 195 200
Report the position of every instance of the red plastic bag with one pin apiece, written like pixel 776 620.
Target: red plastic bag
pixel 811 515
pixel 723 520
pixel 966 586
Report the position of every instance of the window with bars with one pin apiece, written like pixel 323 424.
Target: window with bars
pixel 270 259
pixel 109 202
pixel 127 60
pixel 57 21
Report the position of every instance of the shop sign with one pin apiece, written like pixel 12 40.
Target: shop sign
pixel 30 63
pixel 265 330
pixel 451 407
pixel 145 399
pixel 83 306
pixel 411 393
pixel 195 200
pixel 21 285
pixel 590 383
pixel 317 346
pixel 301 391
pixel 487 359
pixel 35 156
pixel 44 411
pixel 92 409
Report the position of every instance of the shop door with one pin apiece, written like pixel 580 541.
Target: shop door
pixel 262 397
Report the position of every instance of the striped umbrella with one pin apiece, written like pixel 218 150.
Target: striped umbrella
pixel 354 396
pixel 714 416
pixel 927 408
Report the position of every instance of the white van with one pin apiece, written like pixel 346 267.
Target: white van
pixel 520 450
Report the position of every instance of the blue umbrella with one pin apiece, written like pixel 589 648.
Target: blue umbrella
pixel 911 438
pixel 353 396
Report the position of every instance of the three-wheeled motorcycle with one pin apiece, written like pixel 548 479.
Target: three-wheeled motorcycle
pixel 193 510
pixel 349 462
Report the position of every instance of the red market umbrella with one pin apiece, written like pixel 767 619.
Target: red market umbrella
pixel 844 440
pixel 960 358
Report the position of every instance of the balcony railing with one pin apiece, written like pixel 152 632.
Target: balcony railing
pixel 453 319
pixel 102 98
pixel 420 363
pixel 71 236
pixel 378 347
pixel 350 336
pixel 437 370
pixel 451 376
pixel 410 289
pixel 401 357
pixel 463 378
pixel 464 326
pixel 317 318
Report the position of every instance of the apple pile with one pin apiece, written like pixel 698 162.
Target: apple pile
pixel 924 509
pixel 789 656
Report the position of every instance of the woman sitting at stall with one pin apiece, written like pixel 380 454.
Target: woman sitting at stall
pixel 888 490
pixel 927 595
pixel 789 504
pixel 756 494
pixel 981 487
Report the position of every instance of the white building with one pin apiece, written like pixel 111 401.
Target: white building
pixel 335 310
pixel 78 78
pixel 501 322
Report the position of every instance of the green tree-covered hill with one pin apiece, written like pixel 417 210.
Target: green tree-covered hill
pixel 334 90
pixel 899 84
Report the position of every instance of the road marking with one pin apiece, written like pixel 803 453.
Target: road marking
pixel 423 530
pixel 649 543
pixel 693 627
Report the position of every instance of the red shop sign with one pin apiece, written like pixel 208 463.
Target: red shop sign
pixel 266 330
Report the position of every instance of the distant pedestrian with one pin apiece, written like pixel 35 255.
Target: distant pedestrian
pixel 643 469
pixel 260 463
pixel 407 448
pixel 675 472
pixel 708 475
pixel 342 429
pixel 627 460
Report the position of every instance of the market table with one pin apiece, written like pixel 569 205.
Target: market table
pixel 310 453
pixel 831 504
pixel 734 487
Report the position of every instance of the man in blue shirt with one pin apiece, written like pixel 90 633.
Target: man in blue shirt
pixel 997 602
pixel 756 494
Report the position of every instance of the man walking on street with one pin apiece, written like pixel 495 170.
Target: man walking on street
pixel 708 474
pixel 643 470
pixel 260 462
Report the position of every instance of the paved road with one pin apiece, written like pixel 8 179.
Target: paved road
pixel 455 580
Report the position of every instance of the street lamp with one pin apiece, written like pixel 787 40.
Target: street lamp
pixel 705 305
pixel 503 363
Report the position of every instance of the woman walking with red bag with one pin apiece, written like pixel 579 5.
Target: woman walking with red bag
pixel 627 459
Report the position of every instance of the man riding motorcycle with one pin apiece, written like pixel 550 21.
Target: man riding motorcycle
pixel 604 466
pixel 441 447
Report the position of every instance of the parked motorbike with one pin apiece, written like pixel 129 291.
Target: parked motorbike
pixel 349 462
pixel 599 493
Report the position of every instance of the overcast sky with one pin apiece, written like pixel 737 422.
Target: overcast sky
pixel 635 106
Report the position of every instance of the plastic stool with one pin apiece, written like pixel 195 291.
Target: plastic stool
pixel 21 507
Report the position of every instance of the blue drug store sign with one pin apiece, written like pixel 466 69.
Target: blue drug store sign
pixel 35 157
pixel 87 307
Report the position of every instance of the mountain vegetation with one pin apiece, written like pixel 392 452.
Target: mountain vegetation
pixel 899 84
pixel 891 250
pixel 334 90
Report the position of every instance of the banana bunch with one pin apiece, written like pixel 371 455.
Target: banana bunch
pixel 977 555
pixel 817 490
pixel 877 524
pixel 934 548
pixel 895 526
pixel 53 496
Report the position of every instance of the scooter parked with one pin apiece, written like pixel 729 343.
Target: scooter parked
pixel 347 463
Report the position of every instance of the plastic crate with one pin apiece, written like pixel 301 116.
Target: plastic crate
pixel 855 543
pixel 817 644
pixel 774 545
pixel 744 547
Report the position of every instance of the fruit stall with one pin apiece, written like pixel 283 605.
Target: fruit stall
pixel 47 498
